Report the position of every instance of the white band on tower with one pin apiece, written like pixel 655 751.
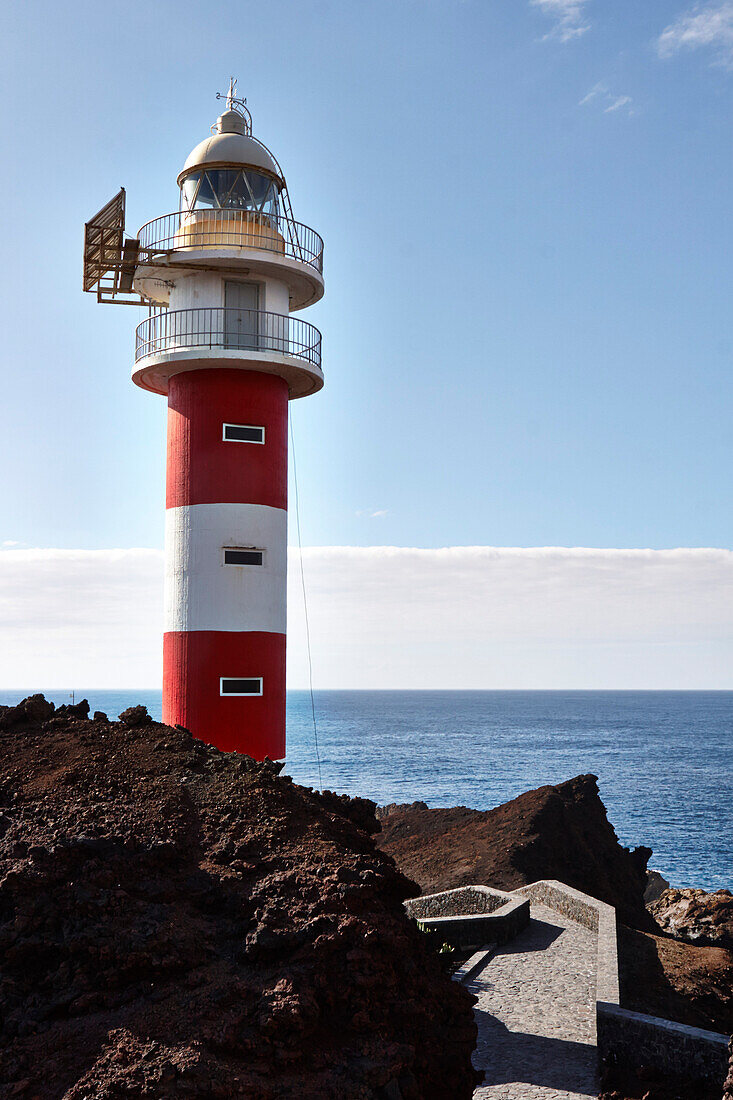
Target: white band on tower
pixel 203 593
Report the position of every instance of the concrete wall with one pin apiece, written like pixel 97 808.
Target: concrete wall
pixel 205 288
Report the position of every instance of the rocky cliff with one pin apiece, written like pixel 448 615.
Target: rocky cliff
pixel 175 921
pixel 559 832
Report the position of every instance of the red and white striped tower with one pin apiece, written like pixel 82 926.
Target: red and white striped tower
pixel 226 272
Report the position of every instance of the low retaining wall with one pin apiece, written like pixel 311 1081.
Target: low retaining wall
pixel 461 902
pixel 632 1038
pixel 470 916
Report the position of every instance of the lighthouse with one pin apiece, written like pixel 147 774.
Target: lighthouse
pixel 223 279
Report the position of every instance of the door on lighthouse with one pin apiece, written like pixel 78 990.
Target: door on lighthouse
pixel 241 324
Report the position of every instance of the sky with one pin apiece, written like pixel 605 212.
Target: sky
pixel 527 325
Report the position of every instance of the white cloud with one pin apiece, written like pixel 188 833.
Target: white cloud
pixel 461 617
pixel 602 95
pixel 569 16
pixel 702 26
pixel 596 90
pixel 617 103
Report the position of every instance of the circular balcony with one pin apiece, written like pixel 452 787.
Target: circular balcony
pixel 270 244
pixel 173 341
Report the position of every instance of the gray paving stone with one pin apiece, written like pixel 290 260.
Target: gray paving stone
pixel 536 1014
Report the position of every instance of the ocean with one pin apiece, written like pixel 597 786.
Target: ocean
pixel 664 759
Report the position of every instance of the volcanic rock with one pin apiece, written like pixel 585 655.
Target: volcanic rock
pixel 73 710
pixel 176 921
pixel 656 884
pixel 558 832
pixel 696 916
pixel 135 717
pixel 678 981
pixel 627 1082
pixel 728 1087
pixel 33 709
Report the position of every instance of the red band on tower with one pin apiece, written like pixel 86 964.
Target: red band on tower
pixel 202 468
pixel 194 662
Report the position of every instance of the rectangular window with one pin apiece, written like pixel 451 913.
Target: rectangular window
pixel 243 433
pixel 236 556
pixel 251 685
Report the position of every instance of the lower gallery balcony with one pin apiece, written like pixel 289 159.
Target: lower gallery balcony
pixel 171 341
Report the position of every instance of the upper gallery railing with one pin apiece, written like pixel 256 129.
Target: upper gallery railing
pixel 193 230
pixel 233 329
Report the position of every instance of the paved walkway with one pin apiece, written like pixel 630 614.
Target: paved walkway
pixel 536 1014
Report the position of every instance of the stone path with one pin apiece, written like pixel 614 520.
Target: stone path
pixel 536 1014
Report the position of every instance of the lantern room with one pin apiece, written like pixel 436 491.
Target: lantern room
pixel 231 170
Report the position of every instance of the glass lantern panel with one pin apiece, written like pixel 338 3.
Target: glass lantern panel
pixel 259 186
pixel 226 180
pixel 238 197
pixel 269 200
pixel 206 195
pixel 188 191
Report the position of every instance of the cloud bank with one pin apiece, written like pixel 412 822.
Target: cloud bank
pixel 710 26
pixel 386 617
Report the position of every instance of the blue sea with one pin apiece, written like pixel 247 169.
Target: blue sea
pixel 664 759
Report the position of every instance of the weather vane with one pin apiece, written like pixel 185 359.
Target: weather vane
pixel 233 103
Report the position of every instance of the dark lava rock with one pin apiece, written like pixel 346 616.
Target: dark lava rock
pixel 176 921
pixel 557 832
pixel 74 710
pixel 728 1086
pixel 135 717
pixel 35 708
pixel 625 1082
pixel 696 916
pixel 100 716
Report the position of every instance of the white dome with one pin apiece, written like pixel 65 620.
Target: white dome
pixel 229 149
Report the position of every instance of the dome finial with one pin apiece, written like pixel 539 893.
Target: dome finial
pixel 231 93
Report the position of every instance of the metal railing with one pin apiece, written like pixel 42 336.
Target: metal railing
pixel 191 230
pixel 232 329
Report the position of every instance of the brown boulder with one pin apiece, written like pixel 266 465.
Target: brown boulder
pixel 559 832
pixel 74 710
pixel 696 916
pixel 36 708
pixel 177 921
pixel 135 717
